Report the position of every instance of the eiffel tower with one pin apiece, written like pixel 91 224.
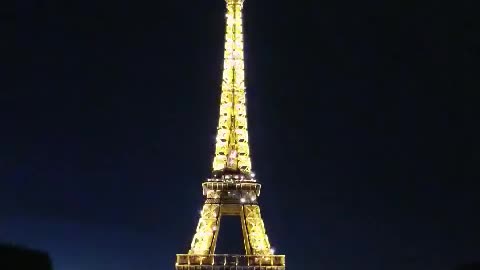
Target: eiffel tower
pixel 232 188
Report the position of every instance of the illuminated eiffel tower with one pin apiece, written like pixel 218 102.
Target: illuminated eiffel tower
pixel 232 188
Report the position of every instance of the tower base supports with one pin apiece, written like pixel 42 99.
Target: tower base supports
pixel 230 262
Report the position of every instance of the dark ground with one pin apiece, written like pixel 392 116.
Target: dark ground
pixel 20 258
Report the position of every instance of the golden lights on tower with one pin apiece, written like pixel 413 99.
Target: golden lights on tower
pixel 231 149
pixel 233 189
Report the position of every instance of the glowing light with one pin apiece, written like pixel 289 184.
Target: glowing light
pixel 233 154
pixel 242 200
pixel 272 250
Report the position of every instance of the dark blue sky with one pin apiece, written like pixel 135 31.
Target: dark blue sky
pixel 361 121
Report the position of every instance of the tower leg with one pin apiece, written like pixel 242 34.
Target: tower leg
pixel 207 230
pixel 254 230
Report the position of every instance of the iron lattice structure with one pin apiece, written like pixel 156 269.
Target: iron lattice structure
pixel 232 189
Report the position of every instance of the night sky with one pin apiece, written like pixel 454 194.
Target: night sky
pixel 361 119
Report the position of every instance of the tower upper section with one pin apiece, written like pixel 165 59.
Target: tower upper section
pixel 232 151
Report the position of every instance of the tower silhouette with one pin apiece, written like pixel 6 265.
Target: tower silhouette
pixel 232 189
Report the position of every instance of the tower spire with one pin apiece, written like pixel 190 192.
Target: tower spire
pixel 232 151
